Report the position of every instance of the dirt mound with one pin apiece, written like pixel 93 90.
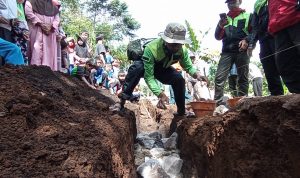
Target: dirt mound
pixel 52 125
pixel 261 139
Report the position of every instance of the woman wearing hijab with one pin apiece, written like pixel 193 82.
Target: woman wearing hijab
pixel 43 20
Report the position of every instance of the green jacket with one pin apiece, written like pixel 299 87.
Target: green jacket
pixel 155 54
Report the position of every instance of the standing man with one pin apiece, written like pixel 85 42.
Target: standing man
pixel 259 32
pixel 233 30
pixel 284 24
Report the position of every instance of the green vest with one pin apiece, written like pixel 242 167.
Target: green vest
pixel 234 22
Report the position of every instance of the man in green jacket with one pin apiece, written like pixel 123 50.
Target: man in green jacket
pixel 158 57
pixel 155 64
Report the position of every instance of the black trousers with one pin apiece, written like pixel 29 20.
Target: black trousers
pixel 241 61
pixel 287 46
pixel 167 76
pixel 232 82
pixel 134 74
pixel 267 58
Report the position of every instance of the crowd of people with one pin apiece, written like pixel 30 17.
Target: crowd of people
pixel 30 33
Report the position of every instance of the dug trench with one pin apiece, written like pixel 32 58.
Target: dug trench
pixel 52 125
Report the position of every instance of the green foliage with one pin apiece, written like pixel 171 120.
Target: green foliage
pixel 76 24
pixel 70 4
pixel 113 14
pixel 121 55
pixel 196 43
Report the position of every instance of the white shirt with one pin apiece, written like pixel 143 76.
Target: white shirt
pixel 254 71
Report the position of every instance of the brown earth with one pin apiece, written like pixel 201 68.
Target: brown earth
pixel 261 139
pixel 52 125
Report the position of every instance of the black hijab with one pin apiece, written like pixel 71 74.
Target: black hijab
pixel 44 7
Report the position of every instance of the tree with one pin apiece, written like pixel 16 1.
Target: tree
pixel 113 15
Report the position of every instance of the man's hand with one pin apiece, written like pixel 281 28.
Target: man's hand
pixel 222 22
pixel 163 100
pixel 243 45
pixel 200 77
pixel 250 51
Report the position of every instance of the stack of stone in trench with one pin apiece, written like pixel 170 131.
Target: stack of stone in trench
pixel 157 157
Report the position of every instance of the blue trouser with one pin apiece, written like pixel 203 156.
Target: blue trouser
pixel 11 53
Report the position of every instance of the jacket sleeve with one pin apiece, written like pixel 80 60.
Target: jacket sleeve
pixel 253 37
pixel 149 62
pixel 250 28
pixel 219 32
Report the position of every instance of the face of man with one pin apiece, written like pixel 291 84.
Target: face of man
pixel 233 4
pixel 174 47
pixel 121 77
pixel 84 36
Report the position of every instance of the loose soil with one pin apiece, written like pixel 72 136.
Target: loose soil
pixel 53 125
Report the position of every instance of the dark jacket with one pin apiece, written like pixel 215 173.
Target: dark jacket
pixel 259 25
pixel 232 35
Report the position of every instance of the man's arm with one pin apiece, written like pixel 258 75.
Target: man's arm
pixel 148 59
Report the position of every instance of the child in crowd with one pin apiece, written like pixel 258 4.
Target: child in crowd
pixel 71 52
pixel 98 72
pixel 81 52
pixel 108 57
pixel 116 84
pixel 84 73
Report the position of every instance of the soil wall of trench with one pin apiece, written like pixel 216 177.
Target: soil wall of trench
pixel 53 125
pixel 260 139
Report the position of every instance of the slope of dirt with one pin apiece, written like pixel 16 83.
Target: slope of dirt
pixel 52 125
pixel 261 139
